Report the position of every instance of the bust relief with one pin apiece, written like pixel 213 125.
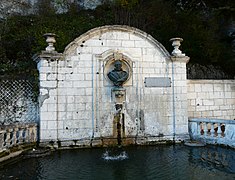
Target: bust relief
pixel 118 76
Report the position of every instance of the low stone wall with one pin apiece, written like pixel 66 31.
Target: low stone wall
pixel 212 131
pixel 14 138
pixel 211 99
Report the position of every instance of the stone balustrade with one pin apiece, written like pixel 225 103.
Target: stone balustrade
pixel 212 131
pixel 17 134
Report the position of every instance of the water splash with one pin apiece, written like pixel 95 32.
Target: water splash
pixel 117 157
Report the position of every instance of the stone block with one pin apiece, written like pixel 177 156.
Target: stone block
pixel 52 107
pixel 88 77
pixel 61 77
pixel 142 44
pixel 47 135
pixel 219 102
pixel 65 70
pixel 61 107
pixel 113 43
pixel 198 88
pixel 46 70
pixel 52 125
pixel 230 101
pixel 228 95
pixel 191 87
pixel 191 95
pixel 49 116
pixel 62 91
pixel 43 77
pixel 110 35
pixel 71 107
pixel 65 84
pixel 94 43
pixel 128 44
pixel 62 116
pixel 135 52
pixel 135 37
pixel 79 91
pixel 84 70
pixel 218 88
pixel 48 84
pixel 123 36
pixel 207 87
pixel 86 57
pixel 82 84
pixel 43 125
pixel 217 113
pixel 88 91
pixel 99 50
pixel 69 115
pixel 207 102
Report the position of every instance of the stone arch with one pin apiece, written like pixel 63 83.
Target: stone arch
pixel 71 47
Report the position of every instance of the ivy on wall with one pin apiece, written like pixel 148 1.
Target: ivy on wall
pixel 204 41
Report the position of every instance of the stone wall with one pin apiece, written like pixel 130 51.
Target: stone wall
pixel 211 99
pixel 76 100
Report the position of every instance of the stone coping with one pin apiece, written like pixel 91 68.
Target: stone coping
pixel 211 81
pixel 224 121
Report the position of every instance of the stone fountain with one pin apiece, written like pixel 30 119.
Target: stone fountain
pixel 112 85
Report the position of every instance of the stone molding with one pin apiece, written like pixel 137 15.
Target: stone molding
pixel 183 59
pixel 48 55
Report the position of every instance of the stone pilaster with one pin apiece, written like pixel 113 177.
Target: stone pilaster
pixel 179 83
pixel 48 63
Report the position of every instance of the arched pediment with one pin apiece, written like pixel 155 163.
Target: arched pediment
pixel 101 33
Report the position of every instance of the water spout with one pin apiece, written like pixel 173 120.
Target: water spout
pixel 114 156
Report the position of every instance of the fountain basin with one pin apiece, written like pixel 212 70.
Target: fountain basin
pixel 142 162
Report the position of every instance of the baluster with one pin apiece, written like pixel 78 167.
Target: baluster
pixel 212 130
pixel 31 135
pixel 27 134
pixel 219 130
pixel 35 133
pixel 8 137
pixel 2 132
pixel 200 128
pixel 20 138
pixel 205 129
pixel 223 130
pixel 14 136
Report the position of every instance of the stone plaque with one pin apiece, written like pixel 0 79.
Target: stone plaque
pixel 157 82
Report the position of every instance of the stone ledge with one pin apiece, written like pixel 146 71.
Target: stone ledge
pixel 15 151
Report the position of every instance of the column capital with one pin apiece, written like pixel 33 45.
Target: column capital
pixel 48 55
pixel 184 59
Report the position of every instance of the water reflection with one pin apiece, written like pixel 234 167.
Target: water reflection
pixel 152 162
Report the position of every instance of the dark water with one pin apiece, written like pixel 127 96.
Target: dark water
pixel 137 163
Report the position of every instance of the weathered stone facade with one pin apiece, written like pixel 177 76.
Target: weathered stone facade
pixel 211 99
pixel 76 101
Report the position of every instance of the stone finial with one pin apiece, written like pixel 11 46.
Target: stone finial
pixel 50 39
pixel 176 44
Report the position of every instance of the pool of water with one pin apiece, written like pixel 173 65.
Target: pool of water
pixel 143 162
